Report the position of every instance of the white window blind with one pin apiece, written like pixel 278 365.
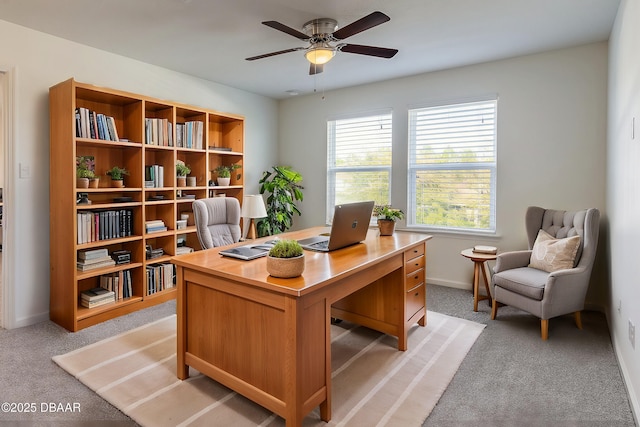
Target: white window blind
pixel 358 160
pixel 452 166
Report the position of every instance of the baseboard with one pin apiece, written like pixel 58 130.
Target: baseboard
pixel 634 401
pixel 449 283
pixel 31 320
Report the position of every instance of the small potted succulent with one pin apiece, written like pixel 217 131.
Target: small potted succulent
pixel 285 259
pixel 182 170
pixel 117 176
pixel 387 217
pixel 224 173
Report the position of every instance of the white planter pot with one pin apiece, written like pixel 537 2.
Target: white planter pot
pixel 224 182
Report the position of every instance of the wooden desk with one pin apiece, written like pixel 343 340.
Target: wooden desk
pixel 269 339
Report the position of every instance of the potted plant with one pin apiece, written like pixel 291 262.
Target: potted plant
pixel 182 171
pixel 284 185
pixel 387 217
pixel 84 172
pixel 285 259
pixel 117 176
pixel 83 176
pixel 224 173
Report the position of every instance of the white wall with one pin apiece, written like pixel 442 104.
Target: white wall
pixel 551 142
pixel 41 61
pixel 623 191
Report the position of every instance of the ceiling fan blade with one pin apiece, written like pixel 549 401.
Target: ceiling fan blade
pixel 315 69
pixel 369 21
pixel 281 27
pixel 381 52
pixel 266 55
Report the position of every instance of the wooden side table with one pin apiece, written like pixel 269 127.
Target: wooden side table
pixel 478 265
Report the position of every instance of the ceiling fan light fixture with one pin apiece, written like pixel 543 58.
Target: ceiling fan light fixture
pixel 320 55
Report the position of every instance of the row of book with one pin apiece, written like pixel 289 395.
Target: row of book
pixel 158 132
pixel 190 135
pixel 155 226
pixel 90 124
pixel 104 225
pixel 119 283
pixel 160 277
pixel 154 176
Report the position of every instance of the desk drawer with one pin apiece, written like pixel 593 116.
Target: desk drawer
pixel 414 279
pixel 415 300
pixel 414 264
pixel 415 251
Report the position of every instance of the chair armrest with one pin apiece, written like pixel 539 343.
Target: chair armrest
pixel 510 260
pixel 565 291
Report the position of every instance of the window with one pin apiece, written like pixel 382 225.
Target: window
pixel 452 166
pixel 359 160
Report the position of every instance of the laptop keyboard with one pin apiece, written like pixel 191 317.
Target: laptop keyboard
pixel 322 245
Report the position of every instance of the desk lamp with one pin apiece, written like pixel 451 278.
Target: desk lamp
pixel 253 207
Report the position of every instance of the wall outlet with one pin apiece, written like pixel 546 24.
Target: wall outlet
pixel 632 334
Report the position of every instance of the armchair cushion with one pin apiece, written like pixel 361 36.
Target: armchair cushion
pixel 550 254
pixel 525 281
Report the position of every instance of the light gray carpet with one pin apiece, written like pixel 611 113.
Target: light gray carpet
pixel 510 377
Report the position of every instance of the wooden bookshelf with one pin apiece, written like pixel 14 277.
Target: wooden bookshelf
pixel 148 130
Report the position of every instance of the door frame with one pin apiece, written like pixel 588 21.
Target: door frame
pixel 7 284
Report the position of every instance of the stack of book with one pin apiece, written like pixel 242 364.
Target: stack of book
pixel 155 226
pixel 94 258
pixel 183 250
pixel 96 297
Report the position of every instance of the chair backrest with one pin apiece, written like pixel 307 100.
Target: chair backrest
pixel 217 221
pixel 561 224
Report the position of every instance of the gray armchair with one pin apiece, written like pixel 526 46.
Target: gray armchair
pixel 541 293
pixel 217 221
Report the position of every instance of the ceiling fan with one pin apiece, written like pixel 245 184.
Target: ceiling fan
pixel 321 34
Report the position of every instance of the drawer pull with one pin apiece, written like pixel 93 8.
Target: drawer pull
pixel 416 277
pixel 416 294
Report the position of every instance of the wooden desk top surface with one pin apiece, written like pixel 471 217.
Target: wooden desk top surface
pixel 320 267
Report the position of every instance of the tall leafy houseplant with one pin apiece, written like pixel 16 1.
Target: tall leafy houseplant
pixel 284 189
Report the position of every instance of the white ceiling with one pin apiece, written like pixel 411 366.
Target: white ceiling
pixel 211 38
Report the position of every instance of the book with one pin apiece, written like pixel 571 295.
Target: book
pixel 183 250
pixel 93 254
pixel 94 260
pixel 489 250
pixel 248 252
pixel 96 294
pixel 83 267
pixel 89 304
pixel 96 297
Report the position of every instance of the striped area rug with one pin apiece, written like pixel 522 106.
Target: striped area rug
pixel 373 382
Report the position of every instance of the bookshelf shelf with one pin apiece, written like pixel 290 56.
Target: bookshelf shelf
pixel 141 134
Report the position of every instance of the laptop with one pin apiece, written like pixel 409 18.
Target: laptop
pixel 350 225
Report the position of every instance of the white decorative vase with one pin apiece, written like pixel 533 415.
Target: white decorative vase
pixel 191 181
pixel 223 182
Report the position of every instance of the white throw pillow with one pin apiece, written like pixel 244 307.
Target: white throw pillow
pixel 551 254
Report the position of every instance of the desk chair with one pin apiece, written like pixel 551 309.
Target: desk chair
pixel 554 291
pixel 217 221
